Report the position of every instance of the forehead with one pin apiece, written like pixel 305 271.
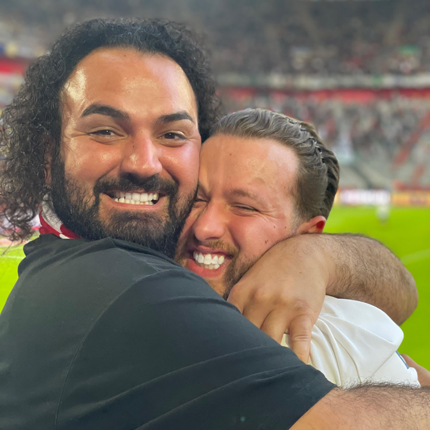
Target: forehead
pixel 126 79
pixel 261 164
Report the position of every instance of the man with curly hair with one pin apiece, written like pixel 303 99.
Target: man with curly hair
pixel 102 330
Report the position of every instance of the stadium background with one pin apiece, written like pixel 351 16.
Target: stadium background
pixel 359 70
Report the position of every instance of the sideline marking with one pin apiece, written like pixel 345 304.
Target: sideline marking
pixel 416 256
pixel 11 256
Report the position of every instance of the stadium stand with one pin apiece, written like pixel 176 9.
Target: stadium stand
pixel 358 70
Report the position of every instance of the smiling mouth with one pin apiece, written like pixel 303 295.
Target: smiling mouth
pixel 208 261
pixel 135 198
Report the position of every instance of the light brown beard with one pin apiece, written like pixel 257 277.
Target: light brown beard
pixel 234 271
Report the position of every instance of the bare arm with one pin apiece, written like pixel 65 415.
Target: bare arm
pixel 285 289
pixel 370 407
pixel 365 270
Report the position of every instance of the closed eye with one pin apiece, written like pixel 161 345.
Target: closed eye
pixel 245 208
pixel 199 201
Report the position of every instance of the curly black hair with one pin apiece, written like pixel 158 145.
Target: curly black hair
pixel 31 124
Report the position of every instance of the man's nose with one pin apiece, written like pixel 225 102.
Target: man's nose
pixel 141 157
pixel 211 224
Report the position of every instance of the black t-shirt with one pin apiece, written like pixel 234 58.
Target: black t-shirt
pixel 111 335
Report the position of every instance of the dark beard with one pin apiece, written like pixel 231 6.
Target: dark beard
pixel 79 211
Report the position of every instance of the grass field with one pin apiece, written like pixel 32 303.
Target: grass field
pixel 407 234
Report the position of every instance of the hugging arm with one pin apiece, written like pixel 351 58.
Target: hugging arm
pixel 363 269
pixel 284 291
pixel 382 407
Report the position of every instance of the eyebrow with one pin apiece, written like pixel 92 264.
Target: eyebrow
pixel 119 114
pixel 105 110
pixel 177 116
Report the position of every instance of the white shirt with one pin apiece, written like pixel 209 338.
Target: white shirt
pixel 354 342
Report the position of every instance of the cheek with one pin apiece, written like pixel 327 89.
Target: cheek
pixel 187 231
pixel 89 160
pixel 254 237
pixel 183 165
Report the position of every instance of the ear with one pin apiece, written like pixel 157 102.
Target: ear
pixel 315 225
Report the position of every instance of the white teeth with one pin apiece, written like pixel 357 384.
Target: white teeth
pixel 136 198
pixel 207 261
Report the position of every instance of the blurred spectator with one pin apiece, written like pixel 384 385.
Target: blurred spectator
pixel 349 127
pixel 253 37
pixel 300 41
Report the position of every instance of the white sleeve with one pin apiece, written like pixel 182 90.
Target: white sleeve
pixel 354 342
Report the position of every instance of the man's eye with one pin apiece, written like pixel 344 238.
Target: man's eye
pixel 103 133
pixel 245 208
pixel 174 136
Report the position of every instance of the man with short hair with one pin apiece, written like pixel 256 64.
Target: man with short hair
pixel 265 177
pixel 103 333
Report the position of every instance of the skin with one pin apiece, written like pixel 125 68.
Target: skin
pixel 142 143
pixel 138 136
pixel 244 205
pixel 129 113
pixel 134 136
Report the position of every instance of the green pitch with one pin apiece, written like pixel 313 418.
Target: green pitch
pixel 9 260
pixel 407 234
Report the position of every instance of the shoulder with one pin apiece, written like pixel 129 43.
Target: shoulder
pixel 78 256
pixel 355 340
pixel 365 317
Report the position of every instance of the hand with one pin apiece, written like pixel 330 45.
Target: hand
pixel 284 292
pixel 423 373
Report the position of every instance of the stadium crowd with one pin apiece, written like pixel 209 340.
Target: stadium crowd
pixel 249 38
pixel 361 127
pixel 253 37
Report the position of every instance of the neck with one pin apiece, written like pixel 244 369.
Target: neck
pixel 51 224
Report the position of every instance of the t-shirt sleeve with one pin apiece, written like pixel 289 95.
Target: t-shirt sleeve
pixel 171 353
pixel 354 342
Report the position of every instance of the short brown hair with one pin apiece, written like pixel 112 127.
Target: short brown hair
pixel 318 175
